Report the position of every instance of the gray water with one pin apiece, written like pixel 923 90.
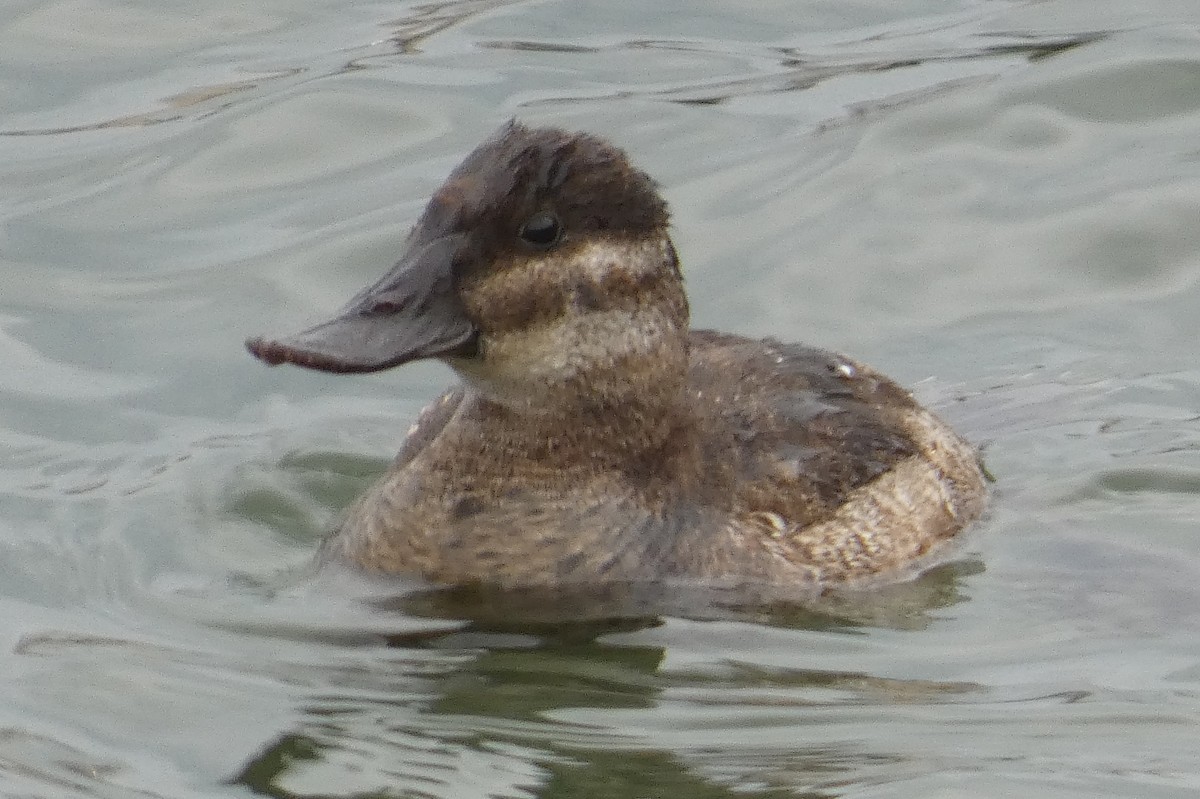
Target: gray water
pixel 997 203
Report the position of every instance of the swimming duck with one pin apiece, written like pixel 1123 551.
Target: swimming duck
pixel 595 438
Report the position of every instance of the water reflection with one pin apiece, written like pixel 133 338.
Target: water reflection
pixel 490 730
pixel 517 698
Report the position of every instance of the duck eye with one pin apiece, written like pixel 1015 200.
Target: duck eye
pixel 541 230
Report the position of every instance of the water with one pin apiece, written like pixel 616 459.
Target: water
pixel 995 202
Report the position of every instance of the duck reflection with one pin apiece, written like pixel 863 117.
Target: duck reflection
pixel 524 694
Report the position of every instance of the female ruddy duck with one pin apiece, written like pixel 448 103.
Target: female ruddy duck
pixel 595 438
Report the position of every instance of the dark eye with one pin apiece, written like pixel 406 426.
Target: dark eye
pixel 542 229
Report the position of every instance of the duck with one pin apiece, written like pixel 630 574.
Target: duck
pixel 594 437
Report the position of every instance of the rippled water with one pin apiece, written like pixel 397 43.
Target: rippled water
pixel 996 202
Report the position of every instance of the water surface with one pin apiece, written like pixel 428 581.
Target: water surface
pixel 995 202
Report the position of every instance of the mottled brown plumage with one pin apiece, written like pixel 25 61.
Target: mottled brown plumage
pixel 595 438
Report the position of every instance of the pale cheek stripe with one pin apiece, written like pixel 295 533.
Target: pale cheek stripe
pixel 599 258
pixel 542 282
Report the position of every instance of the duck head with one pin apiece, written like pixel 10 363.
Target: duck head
pixel 541 271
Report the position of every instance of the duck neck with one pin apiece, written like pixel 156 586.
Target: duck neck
pixel 614 410
pixel 589 425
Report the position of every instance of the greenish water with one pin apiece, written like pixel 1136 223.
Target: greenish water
pixel 995 202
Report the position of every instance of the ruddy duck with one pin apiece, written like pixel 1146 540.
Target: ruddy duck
pixel 595 438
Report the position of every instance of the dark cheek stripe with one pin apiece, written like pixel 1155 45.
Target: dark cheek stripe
pixel 518 299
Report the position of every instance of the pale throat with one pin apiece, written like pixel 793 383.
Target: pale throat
pixel 602 380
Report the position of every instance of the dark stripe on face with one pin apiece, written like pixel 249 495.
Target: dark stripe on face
pixel 530 292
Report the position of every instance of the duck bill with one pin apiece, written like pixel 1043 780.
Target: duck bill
pixel 413 312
